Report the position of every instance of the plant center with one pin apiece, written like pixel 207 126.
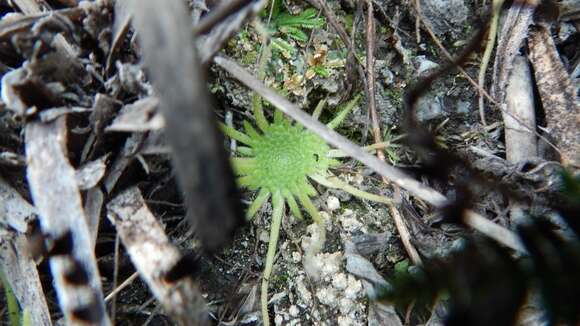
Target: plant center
pixel 286 154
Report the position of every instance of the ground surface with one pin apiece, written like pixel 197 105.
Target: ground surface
pixel 362 240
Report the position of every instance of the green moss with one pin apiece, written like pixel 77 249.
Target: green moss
pixel 250 58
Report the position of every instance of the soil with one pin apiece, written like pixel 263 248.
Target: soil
pixel 230 280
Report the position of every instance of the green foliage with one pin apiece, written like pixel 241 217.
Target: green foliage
pixel 293 25
pixel 283 47
pixel 401 267
pixel 286 26
pixel 281 157
pixel 391 150
pixel 321 71
pixel 284 155
pixel 278 160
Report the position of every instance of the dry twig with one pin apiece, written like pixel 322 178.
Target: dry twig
pixel 397 176
pixel 192 133
pixel 395 214
pixel 153 256
pixel 559 97
pixel 57 198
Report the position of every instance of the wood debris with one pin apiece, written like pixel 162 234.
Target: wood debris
pixel 191 131
pixel 109 141
pixel 154 256
pixel 62 217
pixel 559 98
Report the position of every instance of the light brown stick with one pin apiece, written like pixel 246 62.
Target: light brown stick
pixel 395 214
pixel 153 255
pixel 396 176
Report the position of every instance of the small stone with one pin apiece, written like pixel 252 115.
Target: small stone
pixel 349 222
pixel 303 291
pixel 296 257
pixel 311 229
pixel 345 321
pixel 429 107
pixel 276 298
pixel 323 265
pixel 331 263
pixel 463 107
pixel 445 15
pixel 353 289
pixel 294 322
pixel 425 65
pixel 346 306
pixel 387 75
pixel 339 281
pixel 326 218
pixel 332 203
pixel 264 236
pixel 294 311
pixel 327 296
pixel 278 320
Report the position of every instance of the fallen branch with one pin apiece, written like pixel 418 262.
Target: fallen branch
pixel 57 198
pixel 520 143
pixel 153 256
pixel 396 176
pixel 200 160
pixel 559 96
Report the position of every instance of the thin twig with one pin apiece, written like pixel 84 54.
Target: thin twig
pixel 319 4
pixel 397 218
pixel 397 176
pixel 115 277
pixel 121 286
pixel 217 15
pixel 418 21
pixel 212 42
pixel 372 103
pixel 57 197
pixel 186 105
pixel 490 43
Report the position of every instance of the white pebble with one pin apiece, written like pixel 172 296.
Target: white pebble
pixel 296 256
pixel 278 320
pixel 332 203
pixel 339 281
pixel 294 311
pixel 327 296
pixel 353 289
pixel 346 306
pixel 264 236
